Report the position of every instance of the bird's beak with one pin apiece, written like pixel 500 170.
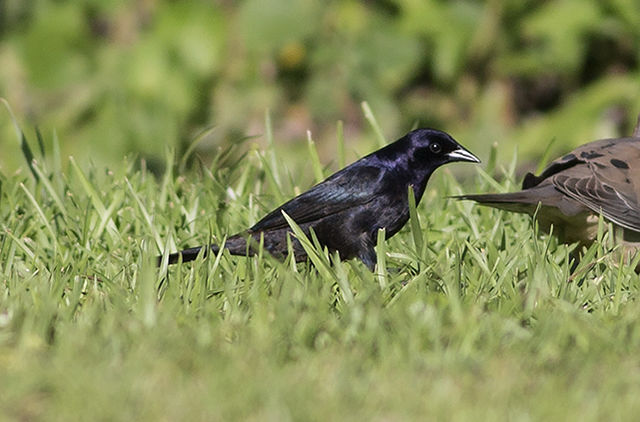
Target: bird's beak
pixel 462 154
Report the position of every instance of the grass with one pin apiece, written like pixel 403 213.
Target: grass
pixel 476 315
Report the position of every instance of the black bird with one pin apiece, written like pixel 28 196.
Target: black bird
pixel 601 177
pixel 346 210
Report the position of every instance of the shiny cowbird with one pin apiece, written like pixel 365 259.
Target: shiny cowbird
pixel 346 210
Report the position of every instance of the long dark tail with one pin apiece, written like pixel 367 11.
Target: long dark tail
pixel 188 254
pixel 236 245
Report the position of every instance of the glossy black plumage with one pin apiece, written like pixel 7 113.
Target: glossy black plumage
pixel 346 210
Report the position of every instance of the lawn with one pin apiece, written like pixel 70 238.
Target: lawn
pixel 475 315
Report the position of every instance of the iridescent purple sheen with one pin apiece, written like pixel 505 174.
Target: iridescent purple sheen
pixel 346 210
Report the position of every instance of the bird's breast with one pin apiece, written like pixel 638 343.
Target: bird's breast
pixel 392 214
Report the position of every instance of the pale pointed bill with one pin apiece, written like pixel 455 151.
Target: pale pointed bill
pixel 462 154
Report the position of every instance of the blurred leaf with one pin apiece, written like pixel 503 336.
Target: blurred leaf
pixel 578 121
pixel 267 25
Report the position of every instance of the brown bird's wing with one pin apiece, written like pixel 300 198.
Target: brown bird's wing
pixel 350 187
pixel 601 176
pixel 605 178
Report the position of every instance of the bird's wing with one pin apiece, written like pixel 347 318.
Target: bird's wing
pixel 354 185
pixel 588 153
pixel 606 180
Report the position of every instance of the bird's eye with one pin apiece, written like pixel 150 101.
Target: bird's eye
pixel 435 147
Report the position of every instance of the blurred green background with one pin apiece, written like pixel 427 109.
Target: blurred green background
pixel 114 77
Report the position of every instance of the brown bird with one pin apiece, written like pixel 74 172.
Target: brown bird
pixel 601 177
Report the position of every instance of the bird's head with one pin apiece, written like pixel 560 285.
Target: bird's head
pixel 432 148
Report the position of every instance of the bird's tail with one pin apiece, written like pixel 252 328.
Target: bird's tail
pixel 188 254
pixel 236 245
pixel 521 201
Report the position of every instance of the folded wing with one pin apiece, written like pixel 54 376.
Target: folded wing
pixel 353 186
pixel 607 180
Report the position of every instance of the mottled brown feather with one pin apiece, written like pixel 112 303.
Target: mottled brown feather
pixel 601 177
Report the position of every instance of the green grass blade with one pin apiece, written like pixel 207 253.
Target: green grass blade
pixel 106 217
pixel 381 264
pixel 40 140
pixel 28 155
pixel 41 214
pixel 95 199
pixel 490 180
pixel 340 147
pixel 316 256
pixel 56 158
pixel 182 167
pixel 272 149
pixel 167 178
pixel 493 156
pixel 147 217
pixel 343 280
pixel 369 116
pixel 414 221
pixel 22 245
pixel 545 156
pixel 315 160
pixel 271 176
pixel 50 189
pixel 22 139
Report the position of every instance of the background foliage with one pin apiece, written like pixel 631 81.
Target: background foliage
pixel 114 77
